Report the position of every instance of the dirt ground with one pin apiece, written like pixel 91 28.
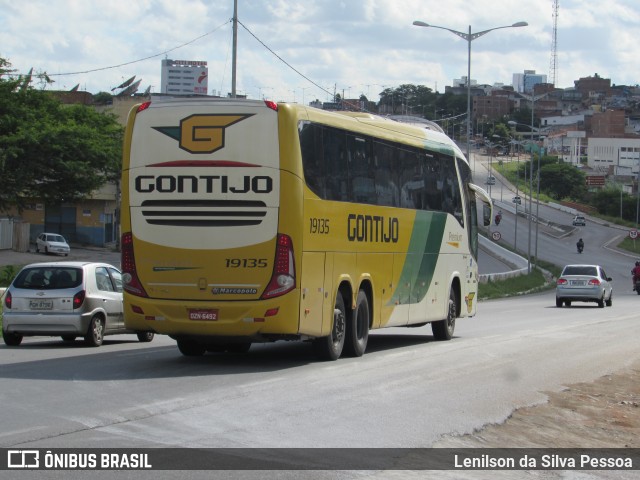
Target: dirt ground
pixel 601 414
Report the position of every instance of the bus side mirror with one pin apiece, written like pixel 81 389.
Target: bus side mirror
pixel 486 215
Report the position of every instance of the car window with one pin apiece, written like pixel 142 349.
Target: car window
pixel 103 280
pixel 580 270
pixel 116 276
pixel 48 278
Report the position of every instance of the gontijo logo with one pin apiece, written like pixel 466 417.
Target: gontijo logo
pixel 202 133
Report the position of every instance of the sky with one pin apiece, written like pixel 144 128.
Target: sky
pixel 302 50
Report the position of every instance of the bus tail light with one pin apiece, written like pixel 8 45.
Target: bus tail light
pixel 130 281
pixel 271 104
pixel 283 279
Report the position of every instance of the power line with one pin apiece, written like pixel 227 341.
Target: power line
pixel 141 59
pixel 283 60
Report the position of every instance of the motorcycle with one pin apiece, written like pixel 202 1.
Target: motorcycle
pixel 580 248
pixel 637 286
pixel 498 218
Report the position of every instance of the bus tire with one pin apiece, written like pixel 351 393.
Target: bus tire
pixel 330 347
pixel 191 348
pixel 443 329
pixel 238 347
pixel 357 331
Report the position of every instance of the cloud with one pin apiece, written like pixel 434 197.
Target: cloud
pixel 346 45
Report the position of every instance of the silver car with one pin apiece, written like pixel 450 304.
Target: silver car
pixel 584 283
pixel 52 243
pixel 66 299
pixel 579 220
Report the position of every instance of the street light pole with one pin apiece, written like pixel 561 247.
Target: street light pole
pixel 469 37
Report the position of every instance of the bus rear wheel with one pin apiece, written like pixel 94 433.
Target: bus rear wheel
pixel 443 329
pixel 357 332
pixel 330 347
pixel 191 348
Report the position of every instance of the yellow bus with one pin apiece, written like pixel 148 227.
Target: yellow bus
pixel 252 221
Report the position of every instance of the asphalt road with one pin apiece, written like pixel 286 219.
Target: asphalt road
pixel 406 391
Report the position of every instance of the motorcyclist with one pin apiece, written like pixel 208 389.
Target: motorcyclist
pixel 635 274
pixel 580 245
pixel 498 217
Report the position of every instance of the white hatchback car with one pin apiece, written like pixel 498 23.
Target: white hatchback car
pixel 52 243
pixel 66 299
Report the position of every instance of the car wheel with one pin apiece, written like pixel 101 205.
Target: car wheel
pixel 68 338
pixel 567 303
pixel 95 334
pixel 145 337
pixel 357 330
pixel 601 302
pixel 609 302
pixel 558 302
pixel 443 329
pixel 191 348
pixel 11 339
pixel 330 347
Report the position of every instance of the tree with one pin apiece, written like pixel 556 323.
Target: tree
pixel 408 99
pixel 51 152
pixel 561 180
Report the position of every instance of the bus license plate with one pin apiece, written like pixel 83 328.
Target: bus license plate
pixel 207 314
pixel 40 304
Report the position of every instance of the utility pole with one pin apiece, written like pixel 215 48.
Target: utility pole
pixel 235 48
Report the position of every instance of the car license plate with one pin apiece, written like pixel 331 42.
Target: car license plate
pixel 40 304
pixel 578 283
pixel 203 314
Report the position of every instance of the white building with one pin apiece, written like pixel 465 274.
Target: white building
pixel 524 82
pixel 561 120
pixel 184 77
pixel 623 154
pixel 462 82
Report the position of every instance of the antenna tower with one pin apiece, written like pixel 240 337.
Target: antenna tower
pixel 553 64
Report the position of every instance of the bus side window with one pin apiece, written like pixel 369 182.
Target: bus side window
pixel 335 164
pixel 361 170
pixel 410 179
pixel 452 200
pixel 385 166
pixel 312 158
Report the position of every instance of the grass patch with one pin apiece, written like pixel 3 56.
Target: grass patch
pixel 535 281
pixel 629 245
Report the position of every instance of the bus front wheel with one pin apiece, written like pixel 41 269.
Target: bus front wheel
pixel 357 332
pixel 330 347
pixel 443 329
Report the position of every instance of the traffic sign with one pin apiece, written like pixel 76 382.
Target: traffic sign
pixel 496 236
pixel 517 200
pixel 633 233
